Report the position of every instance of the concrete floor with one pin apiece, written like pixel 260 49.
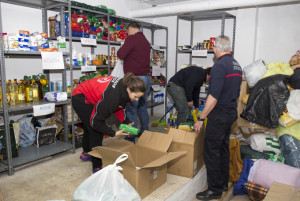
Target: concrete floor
pixel 57 177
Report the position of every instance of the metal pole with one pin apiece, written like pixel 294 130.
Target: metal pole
pixel 176 56
pixel 71 74
pixel 233 37
pixel 167 58
pixel 4 102
pixel 151 94
pixel 108 47
pixel 191 40
pixel 223 24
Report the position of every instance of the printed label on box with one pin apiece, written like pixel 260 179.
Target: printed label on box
pixel 88 41
pixel 155 172
pixel 88 68
pixel 199 53
pixel 52 60
pixel 39 110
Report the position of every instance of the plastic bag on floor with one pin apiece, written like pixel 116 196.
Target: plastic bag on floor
pixel 293 105
pixel 290 148
pixel 264 143
pixel 295 79
pixel 254 72
pixel 107 184
pixel 267 101
pixel 27 132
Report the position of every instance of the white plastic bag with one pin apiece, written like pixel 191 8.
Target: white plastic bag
pixel 293 105
pixel 107 184
pixel 254 72
pixel 264 143
pixel 118 69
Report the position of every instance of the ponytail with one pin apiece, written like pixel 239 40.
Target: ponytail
pixel 135 84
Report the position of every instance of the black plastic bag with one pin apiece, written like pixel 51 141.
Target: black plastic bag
pixel 290 149
pixel 248 153
pixel 295 79
pixel 267 101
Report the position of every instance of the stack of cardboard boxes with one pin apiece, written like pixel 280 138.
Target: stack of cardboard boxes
pixel 154 155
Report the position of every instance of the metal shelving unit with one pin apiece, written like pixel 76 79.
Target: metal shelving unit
pixel 203 16
pixel 33 153
pixel 144 25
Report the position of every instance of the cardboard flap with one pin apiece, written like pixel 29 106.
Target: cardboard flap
pixel 165 159
pixel 112 155
pixel 154 140
pixel 183 136
pixel 119 145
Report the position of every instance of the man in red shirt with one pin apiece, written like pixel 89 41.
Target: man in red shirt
pixel 136 55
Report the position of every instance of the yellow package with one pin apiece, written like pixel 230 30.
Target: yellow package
pixel 185 127
pixel 245 99
pixel 278 68
pixel 292 130
pixel 286 121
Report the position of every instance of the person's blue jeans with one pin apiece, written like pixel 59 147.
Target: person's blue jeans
pixel 139 108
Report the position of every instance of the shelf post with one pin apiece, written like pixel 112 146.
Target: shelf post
pixel 4 103
pixel 191 40
pixel 223 24
pixel 176 58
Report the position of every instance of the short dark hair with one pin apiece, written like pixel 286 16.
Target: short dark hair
pixel 134 25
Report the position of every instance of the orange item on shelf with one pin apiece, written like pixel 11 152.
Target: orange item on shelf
pixel 23 32
pixel 44 35
pixel 49 50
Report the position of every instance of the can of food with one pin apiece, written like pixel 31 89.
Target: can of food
pixel 211 45
pixel 213 40
pixel 207 44
pixel 204 45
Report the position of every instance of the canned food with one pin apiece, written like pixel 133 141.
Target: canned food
pixel 204 45
pixel 213 40
pixel 207 45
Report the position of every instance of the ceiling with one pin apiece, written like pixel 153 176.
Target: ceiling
pixel 161 2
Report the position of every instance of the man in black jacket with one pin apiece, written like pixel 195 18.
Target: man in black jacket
pixel 184 89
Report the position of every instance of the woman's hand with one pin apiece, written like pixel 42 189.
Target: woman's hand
pixel 120 132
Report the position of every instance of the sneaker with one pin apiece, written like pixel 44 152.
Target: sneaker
pixel 85 157
pixel 94 170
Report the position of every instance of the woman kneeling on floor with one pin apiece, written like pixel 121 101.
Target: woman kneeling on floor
pixel 95 100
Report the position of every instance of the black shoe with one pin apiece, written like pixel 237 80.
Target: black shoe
pixel 225 187
pixel 208 195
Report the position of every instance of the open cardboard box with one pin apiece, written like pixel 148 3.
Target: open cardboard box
pixel 282 192
pixel 192 142
pixel 146 166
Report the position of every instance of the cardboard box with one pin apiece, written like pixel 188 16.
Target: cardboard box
pixel 240 107
pixel 192 142
pixel 146 166
pixel 280 192
pixel 51 26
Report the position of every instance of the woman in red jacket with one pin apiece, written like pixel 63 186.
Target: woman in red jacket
pixel 95 100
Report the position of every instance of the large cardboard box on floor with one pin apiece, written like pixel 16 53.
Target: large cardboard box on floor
pixel 192 142
pixel 146 166
pixel 282 192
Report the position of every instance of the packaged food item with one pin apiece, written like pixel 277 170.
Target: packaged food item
pixel 5 41
pixel 61 44
pixel 13 42
pixel 56 96
pixel 286 121
pixel 129 129
pixel 44 35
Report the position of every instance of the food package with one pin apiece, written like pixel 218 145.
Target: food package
pixel 286 121
pixel 13 42
pixel 56 96
pixel 245 99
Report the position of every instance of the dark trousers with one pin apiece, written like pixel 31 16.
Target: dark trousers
pixel 177 94
pixel 91 137
pixel 216 147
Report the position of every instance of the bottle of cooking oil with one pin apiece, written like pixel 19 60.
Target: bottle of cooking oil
pixel 37 80
pixel 28 92
pixel 35 91
pixel 45 87
pixel 8 91
pixel 13 93
pixel 21 92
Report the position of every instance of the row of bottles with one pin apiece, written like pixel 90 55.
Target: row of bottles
pixel 26 90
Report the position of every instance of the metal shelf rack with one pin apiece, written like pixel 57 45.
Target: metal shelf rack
pixel 203 16
pixel 144 25
pixel 32 153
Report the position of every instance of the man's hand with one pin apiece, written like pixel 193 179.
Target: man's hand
pixel 198 126
pixel 190 104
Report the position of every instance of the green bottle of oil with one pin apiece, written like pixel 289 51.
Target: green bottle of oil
pixel 129 129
